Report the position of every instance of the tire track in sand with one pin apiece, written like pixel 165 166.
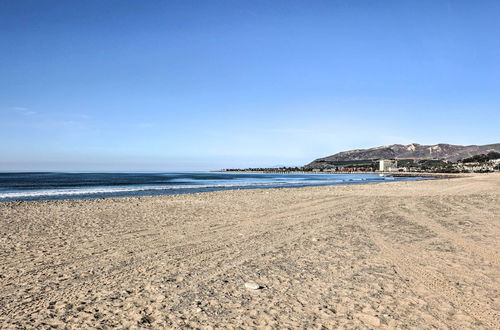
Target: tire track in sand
pixel 436 283
pixel 486 253
pixel 197 247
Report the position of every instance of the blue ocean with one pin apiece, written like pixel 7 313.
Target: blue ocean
pixel 52 186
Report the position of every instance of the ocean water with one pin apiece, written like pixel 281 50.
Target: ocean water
pixel 53 186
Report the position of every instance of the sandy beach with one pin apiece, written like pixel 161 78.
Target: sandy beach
pixel 412 255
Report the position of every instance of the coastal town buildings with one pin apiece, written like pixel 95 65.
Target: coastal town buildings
pixel 488 166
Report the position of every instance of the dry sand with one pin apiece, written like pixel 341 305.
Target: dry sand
pixel 392 255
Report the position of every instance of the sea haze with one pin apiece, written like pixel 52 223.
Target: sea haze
pixel 53 186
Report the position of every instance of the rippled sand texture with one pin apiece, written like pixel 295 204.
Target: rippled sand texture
pixel 414 255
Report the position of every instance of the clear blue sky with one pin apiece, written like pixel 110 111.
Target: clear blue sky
pixel 171 85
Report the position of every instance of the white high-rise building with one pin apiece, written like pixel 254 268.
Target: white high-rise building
pixel 387 165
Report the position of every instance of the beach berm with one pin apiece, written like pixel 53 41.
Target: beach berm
pixel 420 254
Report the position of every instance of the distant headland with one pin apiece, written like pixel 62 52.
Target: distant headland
pixel 438 158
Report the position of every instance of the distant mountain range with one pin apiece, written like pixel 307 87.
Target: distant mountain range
pixel 441 151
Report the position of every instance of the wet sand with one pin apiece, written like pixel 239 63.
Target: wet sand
pixel 407 254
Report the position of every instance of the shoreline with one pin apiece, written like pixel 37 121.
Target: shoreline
pixel 400 174
pixel 90 196
pixel 421 253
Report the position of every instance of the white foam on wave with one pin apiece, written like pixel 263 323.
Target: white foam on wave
pixel 111 190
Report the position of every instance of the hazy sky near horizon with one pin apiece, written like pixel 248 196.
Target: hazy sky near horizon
pixel 194 85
